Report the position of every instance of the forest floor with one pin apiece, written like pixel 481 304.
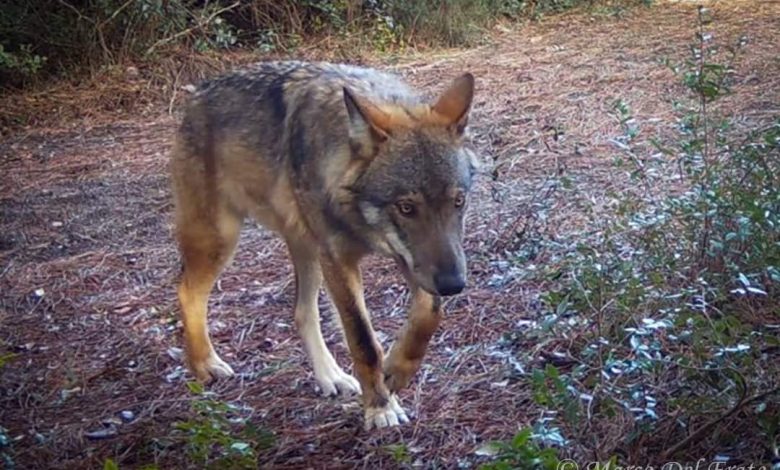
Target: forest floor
pixel 88 264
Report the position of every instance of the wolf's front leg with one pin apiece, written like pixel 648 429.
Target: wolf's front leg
pixel 346 289
pixel 408 351
pixel 308 279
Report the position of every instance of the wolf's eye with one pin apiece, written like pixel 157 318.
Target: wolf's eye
pixel 460 199
pixel 405 208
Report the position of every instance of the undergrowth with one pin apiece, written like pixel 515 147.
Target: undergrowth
pixel 219 434
pixel 216 435
pixel 668 312
pixel 129 56
pixel 48 38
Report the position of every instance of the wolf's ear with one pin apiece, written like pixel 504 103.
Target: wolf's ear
pixel 368 124
pixel 453 105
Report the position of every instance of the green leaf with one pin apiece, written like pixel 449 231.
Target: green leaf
pixel 195 388
pixel 6 358
pixel 241 447
pixel 109 464
pixel 521 438
pixel 489 449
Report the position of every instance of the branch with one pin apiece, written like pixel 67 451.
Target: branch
pixel 704 429
pixel 189 30
pixel 76 11
pixel 115 13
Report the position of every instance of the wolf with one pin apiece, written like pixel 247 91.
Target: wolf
pixel 341 161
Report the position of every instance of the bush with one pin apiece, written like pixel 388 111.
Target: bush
pixel 50 37
pixel 668 306
pixel 218 436
pixel 521 452
pixel 20 64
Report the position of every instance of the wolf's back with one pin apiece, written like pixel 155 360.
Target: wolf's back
pixel 267 106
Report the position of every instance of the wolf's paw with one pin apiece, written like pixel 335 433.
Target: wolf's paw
pixel 211 368
pixel 333 380
pixel 390 415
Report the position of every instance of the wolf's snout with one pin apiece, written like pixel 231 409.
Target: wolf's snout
pixel 449 282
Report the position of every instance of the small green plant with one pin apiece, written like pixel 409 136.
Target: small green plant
pixel 22 64
pixel 109 464
pixel 552 390
pixel 219 33
pixel 522 453
pixel 399 453
pixel 218 436
pixel 386 34
pixel 6 358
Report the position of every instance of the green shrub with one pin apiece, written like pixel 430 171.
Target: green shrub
pixel 522 452
pixel 50 37
pixel 219 436
pixel 20 65
pixel 668 305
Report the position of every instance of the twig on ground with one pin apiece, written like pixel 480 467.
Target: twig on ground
pixel 702 431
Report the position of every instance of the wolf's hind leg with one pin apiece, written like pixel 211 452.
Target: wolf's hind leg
pixel 206 248
pixel 308 279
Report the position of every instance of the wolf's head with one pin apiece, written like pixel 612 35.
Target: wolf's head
pixel 413 191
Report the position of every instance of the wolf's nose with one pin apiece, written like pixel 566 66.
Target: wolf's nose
pixel 449 283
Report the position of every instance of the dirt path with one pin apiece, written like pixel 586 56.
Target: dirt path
pixel 87 263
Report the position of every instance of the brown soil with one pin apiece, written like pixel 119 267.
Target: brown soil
pixel 87 263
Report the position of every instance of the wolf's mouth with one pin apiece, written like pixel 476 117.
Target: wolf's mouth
pixel 411 278
pixel 406 270
pixel 403 266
